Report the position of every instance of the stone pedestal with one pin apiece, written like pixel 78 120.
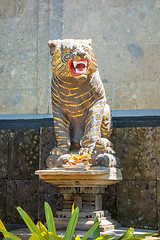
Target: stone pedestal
pixel 89 201
pixel 85 190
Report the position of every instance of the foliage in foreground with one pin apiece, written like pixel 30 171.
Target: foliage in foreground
pixel 40 232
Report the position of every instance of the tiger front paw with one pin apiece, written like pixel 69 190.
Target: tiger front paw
pixel 83 151
pixel 57 161
pixel 59 151
pixel 103 145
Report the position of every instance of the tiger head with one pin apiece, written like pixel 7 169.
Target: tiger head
pixel 72 59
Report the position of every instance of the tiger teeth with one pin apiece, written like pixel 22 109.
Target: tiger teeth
pixel 83 62
pixel 75 64
pixel 83 71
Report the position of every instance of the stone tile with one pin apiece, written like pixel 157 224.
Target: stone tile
pixel 19 70
pixel 133 97
pixel 19 81
pixel 137 204
pixel 44 81
pixel 49 193
pixel 125 62
pixel 7 8
pixel 114 63
pixel 3 198
pixel 23 30
pixel 44 58
pixel 136 152
pixel 126 150
pixel 43 25
pixel 118 97
pixel 47 142
pixel 23 154
pixel 123 22
pixel 44 95
pixel 56 19
pixel 157 146
pixel 158 204
pixel 3 154
pixel 109 200
pixel 23 193
pixel 146 152
pixel 85 24
pixel 150 98
pixel 90 4
pixel 18 101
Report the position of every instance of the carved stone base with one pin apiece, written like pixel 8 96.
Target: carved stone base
pixel 84 189
pixel 89 201
pixel 84 224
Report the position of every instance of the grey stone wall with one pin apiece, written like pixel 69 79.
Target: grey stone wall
pixel 133 202
pixel 20 156
pixel 125 35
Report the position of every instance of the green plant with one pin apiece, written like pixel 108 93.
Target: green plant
pixel 40 232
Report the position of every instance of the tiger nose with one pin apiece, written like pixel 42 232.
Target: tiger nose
pixel 81 54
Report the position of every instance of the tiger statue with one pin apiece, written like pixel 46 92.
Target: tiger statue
pixel 82 118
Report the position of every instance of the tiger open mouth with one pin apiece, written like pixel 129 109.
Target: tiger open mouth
pixel 79 67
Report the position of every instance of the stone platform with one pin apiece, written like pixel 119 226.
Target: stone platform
pixel 94 177
pixel 84 188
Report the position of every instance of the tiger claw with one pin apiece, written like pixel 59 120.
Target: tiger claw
pixel 58 151
pixel 85 151
pixel 90 151
pixel 52 152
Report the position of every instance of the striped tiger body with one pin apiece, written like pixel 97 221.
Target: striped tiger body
pixel 80 112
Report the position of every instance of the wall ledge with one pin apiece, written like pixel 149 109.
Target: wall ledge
pixel 121 119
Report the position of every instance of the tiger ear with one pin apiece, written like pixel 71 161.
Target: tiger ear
pixel 90 41
pixel 51 44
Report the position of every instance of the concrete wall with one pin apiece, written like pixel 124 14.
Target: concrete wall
pixel 125 36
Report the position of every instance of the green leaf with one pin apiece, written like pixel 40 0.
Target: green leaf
pixel 8 238
pixel 55 236
pixel 72 208
pixel 145 235
pixel 96 233
pixel 127 234
pixel 72 225
pixel 50 220
pixel 77 238
pixel 43 231
pixel 34 237
pixel 104 237
pixel 110 238
pixel 3 227
pixel 10 235
pixel 90 231
pixel 133 238
pixel 30 224
pixel 138 237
